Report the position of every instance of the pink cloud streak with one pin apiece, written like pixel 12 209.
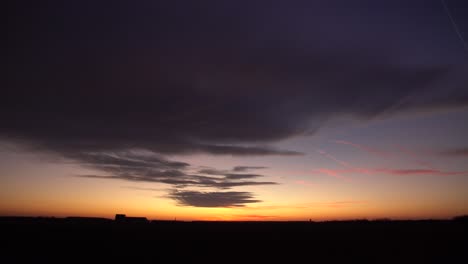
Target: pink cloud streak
pixel 428 169
pixel 415 156
pixel 342 163
pixel 338 173
pixel 409 172
pixel 333 173
pixel 401 150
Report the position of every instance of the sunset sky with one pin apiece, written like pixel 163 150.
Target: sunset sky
pixel 236 110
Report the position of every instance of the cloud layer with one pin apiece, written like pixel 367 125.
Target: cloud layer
pixel 208 77
pixel 144 166
pixel 151 167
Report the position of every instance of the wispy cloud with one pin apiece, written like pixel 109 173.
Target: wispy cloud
pixel 211 171
pixel 228 175
pixel 239 176
pixel 247 168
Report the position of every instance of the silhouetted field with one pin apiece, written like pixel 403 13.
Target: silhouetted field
pixel 380 241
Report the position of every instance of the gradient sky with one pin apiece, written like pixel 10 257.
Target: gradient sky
pixel 236 110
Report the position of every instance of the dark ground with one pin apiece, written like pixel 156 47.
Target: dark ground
pixel 350 241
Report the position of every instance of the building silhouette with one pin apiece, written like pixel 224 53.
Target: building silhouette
pixel 122 218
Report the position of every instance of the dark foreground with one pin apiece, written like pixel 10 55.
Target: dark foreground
pixel 378 241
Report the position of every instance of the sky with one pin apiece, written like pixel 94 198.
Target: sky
pixel 235 110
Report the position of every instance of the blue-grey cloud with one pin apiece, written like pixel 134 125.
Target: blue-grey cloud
pixel 150 167
pixel 247 168
pixel 232 175
pixel 213 199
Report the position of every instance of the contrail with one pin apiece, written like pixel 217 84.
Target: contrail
pixel 457 30
pixel 364 148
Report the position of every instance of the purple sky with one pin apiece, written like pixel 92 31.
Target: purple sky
pixel 236 109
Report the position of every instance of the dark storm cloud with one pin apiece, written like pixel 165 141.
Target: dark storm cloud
pixel 456 152
pixel 220 77
pixel 150 167
pixel 213 199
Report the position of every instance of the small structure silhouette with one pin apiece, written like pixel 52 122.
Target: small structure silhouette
pixel 122 218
